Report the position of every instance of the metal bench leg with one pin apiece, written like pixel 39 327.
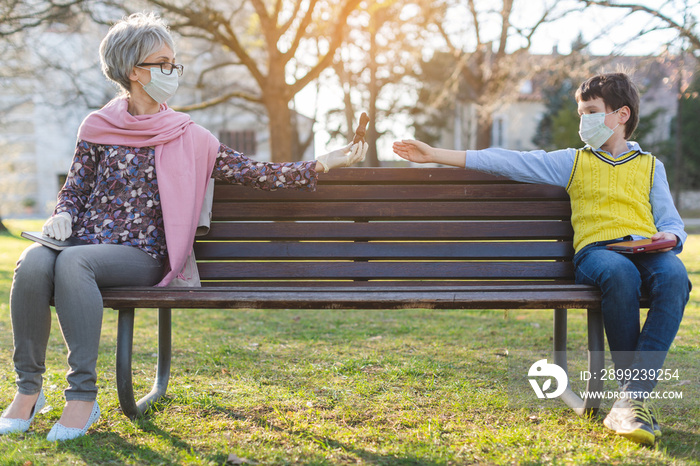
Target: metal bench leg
pixel 125 341
pixel 596 357
pixel 587 406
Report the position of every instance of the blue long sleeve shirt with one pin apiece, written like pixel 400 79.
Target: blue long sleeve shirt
pixel 554 168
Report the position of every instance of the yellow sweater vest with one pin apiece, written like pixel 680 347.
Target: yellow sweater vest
pixel 610 196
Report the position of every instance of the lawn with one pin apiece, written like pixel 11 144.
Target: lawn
pixel 347 387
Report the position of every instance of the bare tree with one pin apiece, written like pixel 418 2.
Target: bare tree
pixel 270 49
pixel 50 77
pixel 375 67
pixel 686 29
pixel 267 39
pixel 488 68
pixel 19 15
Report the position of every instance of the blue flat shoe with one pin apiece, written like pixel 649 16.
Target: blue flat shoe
pixel 10 426
pixel 60 433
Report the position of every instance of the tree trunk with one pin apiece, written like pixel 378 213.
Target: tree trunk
pixel 678 156
pixel 372 158
pixel 483 133
pixel 371 136
pixel 282 145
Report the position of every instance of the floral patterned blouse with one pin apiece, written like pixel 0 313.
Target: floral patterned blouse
pixel 111 192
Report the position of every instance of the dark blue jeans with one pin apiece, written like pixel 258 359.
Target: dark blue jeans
pixel 621 279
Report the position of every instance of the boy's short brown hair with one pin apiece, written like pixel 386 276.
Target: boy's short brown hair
pixel 617 91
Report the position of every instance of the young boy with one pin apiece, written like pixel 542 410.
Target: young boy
pixel 618 192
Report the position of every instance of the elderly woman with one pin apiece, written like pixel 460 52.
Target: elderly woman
pixel 135 190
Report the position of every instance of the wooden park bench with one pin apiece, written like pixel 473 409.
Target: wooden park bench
pixel 378 238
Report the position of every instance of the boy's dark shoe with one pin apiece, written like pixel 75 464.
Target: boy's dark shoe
pixel 632 420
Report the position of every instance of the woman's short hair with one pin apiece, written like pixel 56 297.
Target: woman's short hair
pixel 128 43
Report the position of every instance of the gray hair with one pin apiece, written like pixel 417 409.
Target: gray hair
pixel 129 42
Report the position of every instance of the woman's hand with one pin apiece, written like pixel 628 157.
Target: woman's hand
pixel 58 226
pixel 664 235
pixel 414 151
pixel 348 155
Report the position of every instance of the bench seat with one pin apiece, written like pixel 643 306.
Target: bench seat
pixel 359 297
pixel 378 238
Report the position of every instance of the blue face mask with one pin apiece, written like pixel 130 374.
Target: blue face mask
pixel 162 86
pixel 593 130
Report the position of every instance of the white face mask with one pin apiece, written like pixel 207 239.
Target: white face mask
pixel 162 86
pixel 593 130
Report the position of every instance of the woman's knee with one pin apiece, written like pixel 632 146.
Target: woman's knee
pixel 36 264
pixel 72 264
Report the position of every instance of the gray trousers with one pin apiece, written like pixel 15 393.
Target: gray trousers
pixel 73 277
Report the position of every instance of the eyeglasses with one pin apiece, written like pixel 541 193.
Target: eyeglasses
pixel 166 67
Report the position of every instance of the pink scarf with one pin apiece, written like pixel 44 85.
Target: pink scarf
pixel 185 154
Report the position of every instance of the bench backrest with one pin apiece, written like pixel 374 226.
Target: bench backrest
pixel 427 225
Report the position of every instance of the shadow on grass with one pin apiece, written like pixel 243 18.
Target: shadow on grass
pixel 112 448
pixel 325 443
pixel 680 445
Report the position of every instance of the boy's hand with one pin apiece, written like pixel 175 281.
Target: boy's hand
pixel 414 151
pixel 664 235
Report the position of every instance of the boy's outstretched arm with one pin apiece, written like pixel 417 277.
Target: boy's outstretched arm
pixel 420 152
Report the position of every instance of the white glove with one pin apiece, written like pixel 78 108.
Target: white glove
pixel 58 226
pixel 348 155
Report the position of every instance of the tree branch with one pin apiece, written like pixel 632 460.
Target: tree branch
pixel 234 44
pixel 475 17
pixel 217 66
pixel 16 15
pixel 301 30
pixel 285 27
pixel 268 25
pixel 212 21
pixel 505 25
pixel 634 7
pixel 278 8
pixel 327 59
pixel 218 100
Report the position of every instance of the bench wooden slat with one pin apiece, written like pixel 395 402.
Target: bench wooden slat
pixel 568 296
pixel 399 231
pixel 394 284
pixel 409 192
pixel 423 175
pixel 382 270
pixel 393 210
pixel 383 250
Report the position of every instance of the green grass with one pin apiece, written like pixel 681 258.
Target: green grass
pixel 344 387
